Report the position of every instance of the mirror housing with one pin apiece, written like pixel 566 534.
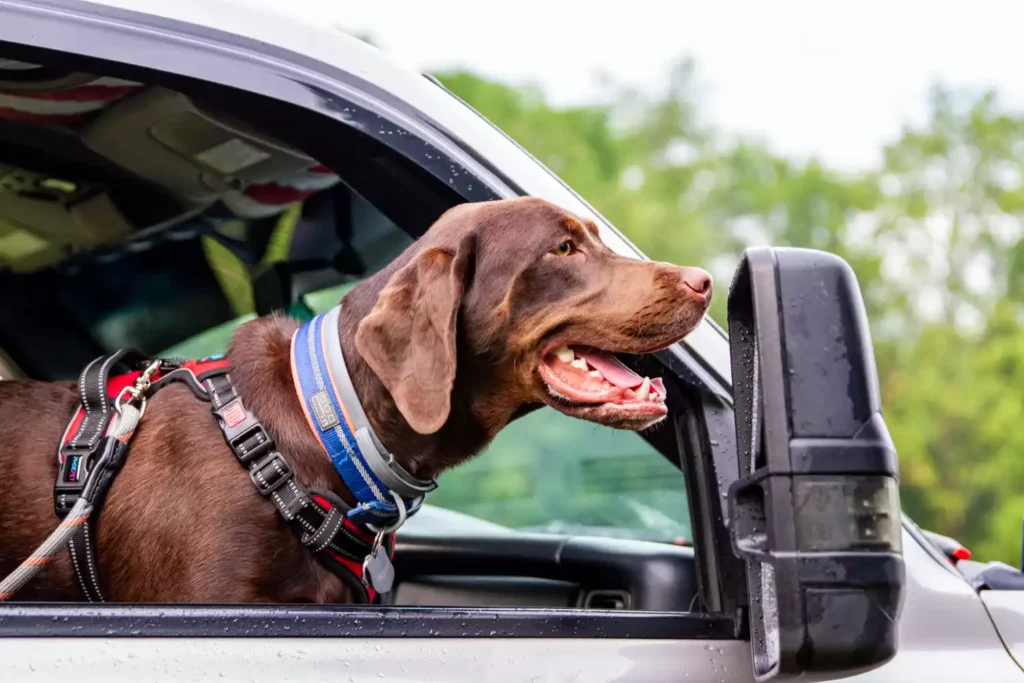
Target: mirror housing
pixel 815 512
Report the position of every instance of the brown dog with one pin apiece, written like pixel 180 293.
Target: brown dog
pixel 499 309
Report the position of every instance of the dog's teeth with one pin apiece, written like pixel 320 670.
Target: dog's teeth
pixel 564 354
pixel 558 395
pixel 595 373
pixel 579 363
pixel 645 389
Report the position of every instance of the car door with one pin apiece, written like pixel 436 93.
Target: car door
pixel 663 489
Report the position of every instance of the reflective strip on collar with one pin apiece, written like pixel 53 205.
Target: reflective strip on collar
pixel 383 463
pixel 332 425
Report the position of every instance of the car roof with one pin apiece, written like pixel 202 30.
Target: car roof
pixel 303 35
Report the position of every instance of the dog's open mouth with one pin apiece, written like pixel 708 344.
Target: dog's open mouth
pixel 595 385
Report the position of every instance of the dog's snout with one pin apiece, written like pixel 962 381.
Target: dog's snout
pixel 697 279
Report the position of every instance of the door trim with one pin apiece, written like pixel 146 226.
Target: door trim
pixel 285 621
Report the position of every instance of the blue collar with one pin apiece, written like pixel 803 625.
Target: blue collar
pixel 385 491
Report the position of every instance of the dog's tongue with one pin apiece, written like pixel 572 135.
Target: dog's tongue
pixel 612 369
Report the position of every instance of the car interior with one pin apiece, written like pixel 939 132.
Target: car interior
pixel 149 211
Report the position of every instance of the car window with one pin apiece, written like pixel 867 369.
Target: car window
pixel 186 262
pixel 152 216
pixel 175 258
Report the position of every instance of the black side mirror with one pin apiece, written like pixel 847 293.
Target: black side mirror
pixel 815 513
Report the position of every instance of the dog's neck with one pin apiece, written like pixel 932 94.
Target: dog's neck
pixel 260 357
pixel 424 456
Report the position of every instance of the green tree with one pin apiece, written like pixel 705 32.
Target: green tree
pixel 934 236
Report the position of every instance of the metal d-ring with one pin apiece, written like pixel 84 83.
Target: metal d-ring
pixel 402 515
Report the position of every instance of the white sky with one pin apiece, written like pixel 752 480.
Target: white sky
pixel 836 79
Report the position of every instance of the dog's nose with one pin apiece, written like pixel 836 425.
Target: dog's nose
pixel 698 279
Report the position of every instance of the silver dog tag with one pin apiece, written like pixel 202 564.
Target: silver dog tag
pixel 378 572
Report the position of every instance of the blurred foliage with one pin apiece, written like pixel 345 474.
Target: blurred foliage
pixel 934 235
pixel 548 472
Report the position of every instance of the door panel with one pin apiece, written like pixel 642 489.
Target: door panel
pixel 1007 611
pixel 371 660
pixel 945 633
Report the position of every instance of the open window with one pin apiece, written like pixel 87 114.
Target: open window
pixel 166 211
pixel 132 214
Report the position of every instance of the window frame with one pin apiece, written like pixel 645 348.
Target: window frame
pixel 117 38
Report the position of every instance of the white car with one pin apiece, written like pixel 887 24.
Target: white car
pixel 229 163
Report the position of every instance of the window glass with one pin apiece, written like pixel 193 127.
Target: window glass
pixel 548 472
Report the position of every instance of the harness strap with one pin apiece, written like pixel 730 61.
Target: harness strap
pixel 82 544
pixel 318 518
pixel 84 448
pixel 86 444
pixel 97 410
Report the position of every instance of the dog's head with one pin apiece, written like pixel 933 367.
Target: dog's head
pixel 512 303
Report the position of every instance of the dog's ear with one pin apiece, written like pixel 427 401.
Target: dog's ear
pixel 408 339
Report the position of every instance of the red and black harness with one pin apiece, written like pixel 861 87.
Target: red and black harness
pixel 89 459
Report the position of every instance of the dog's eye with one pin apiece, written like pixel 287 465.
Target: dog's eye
pixel 566 248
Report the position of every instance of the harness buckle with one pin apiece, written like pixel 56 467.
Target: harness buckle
pixel 63 501
pixel 72 474
pixel 270 473
pixel 252 444
pixel 243 432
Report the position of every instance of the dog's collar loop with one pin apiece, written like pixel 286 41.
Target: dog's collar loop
pixel 337 419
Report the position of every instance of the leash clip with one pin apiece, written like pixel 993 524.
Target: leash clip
pixel 137 391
